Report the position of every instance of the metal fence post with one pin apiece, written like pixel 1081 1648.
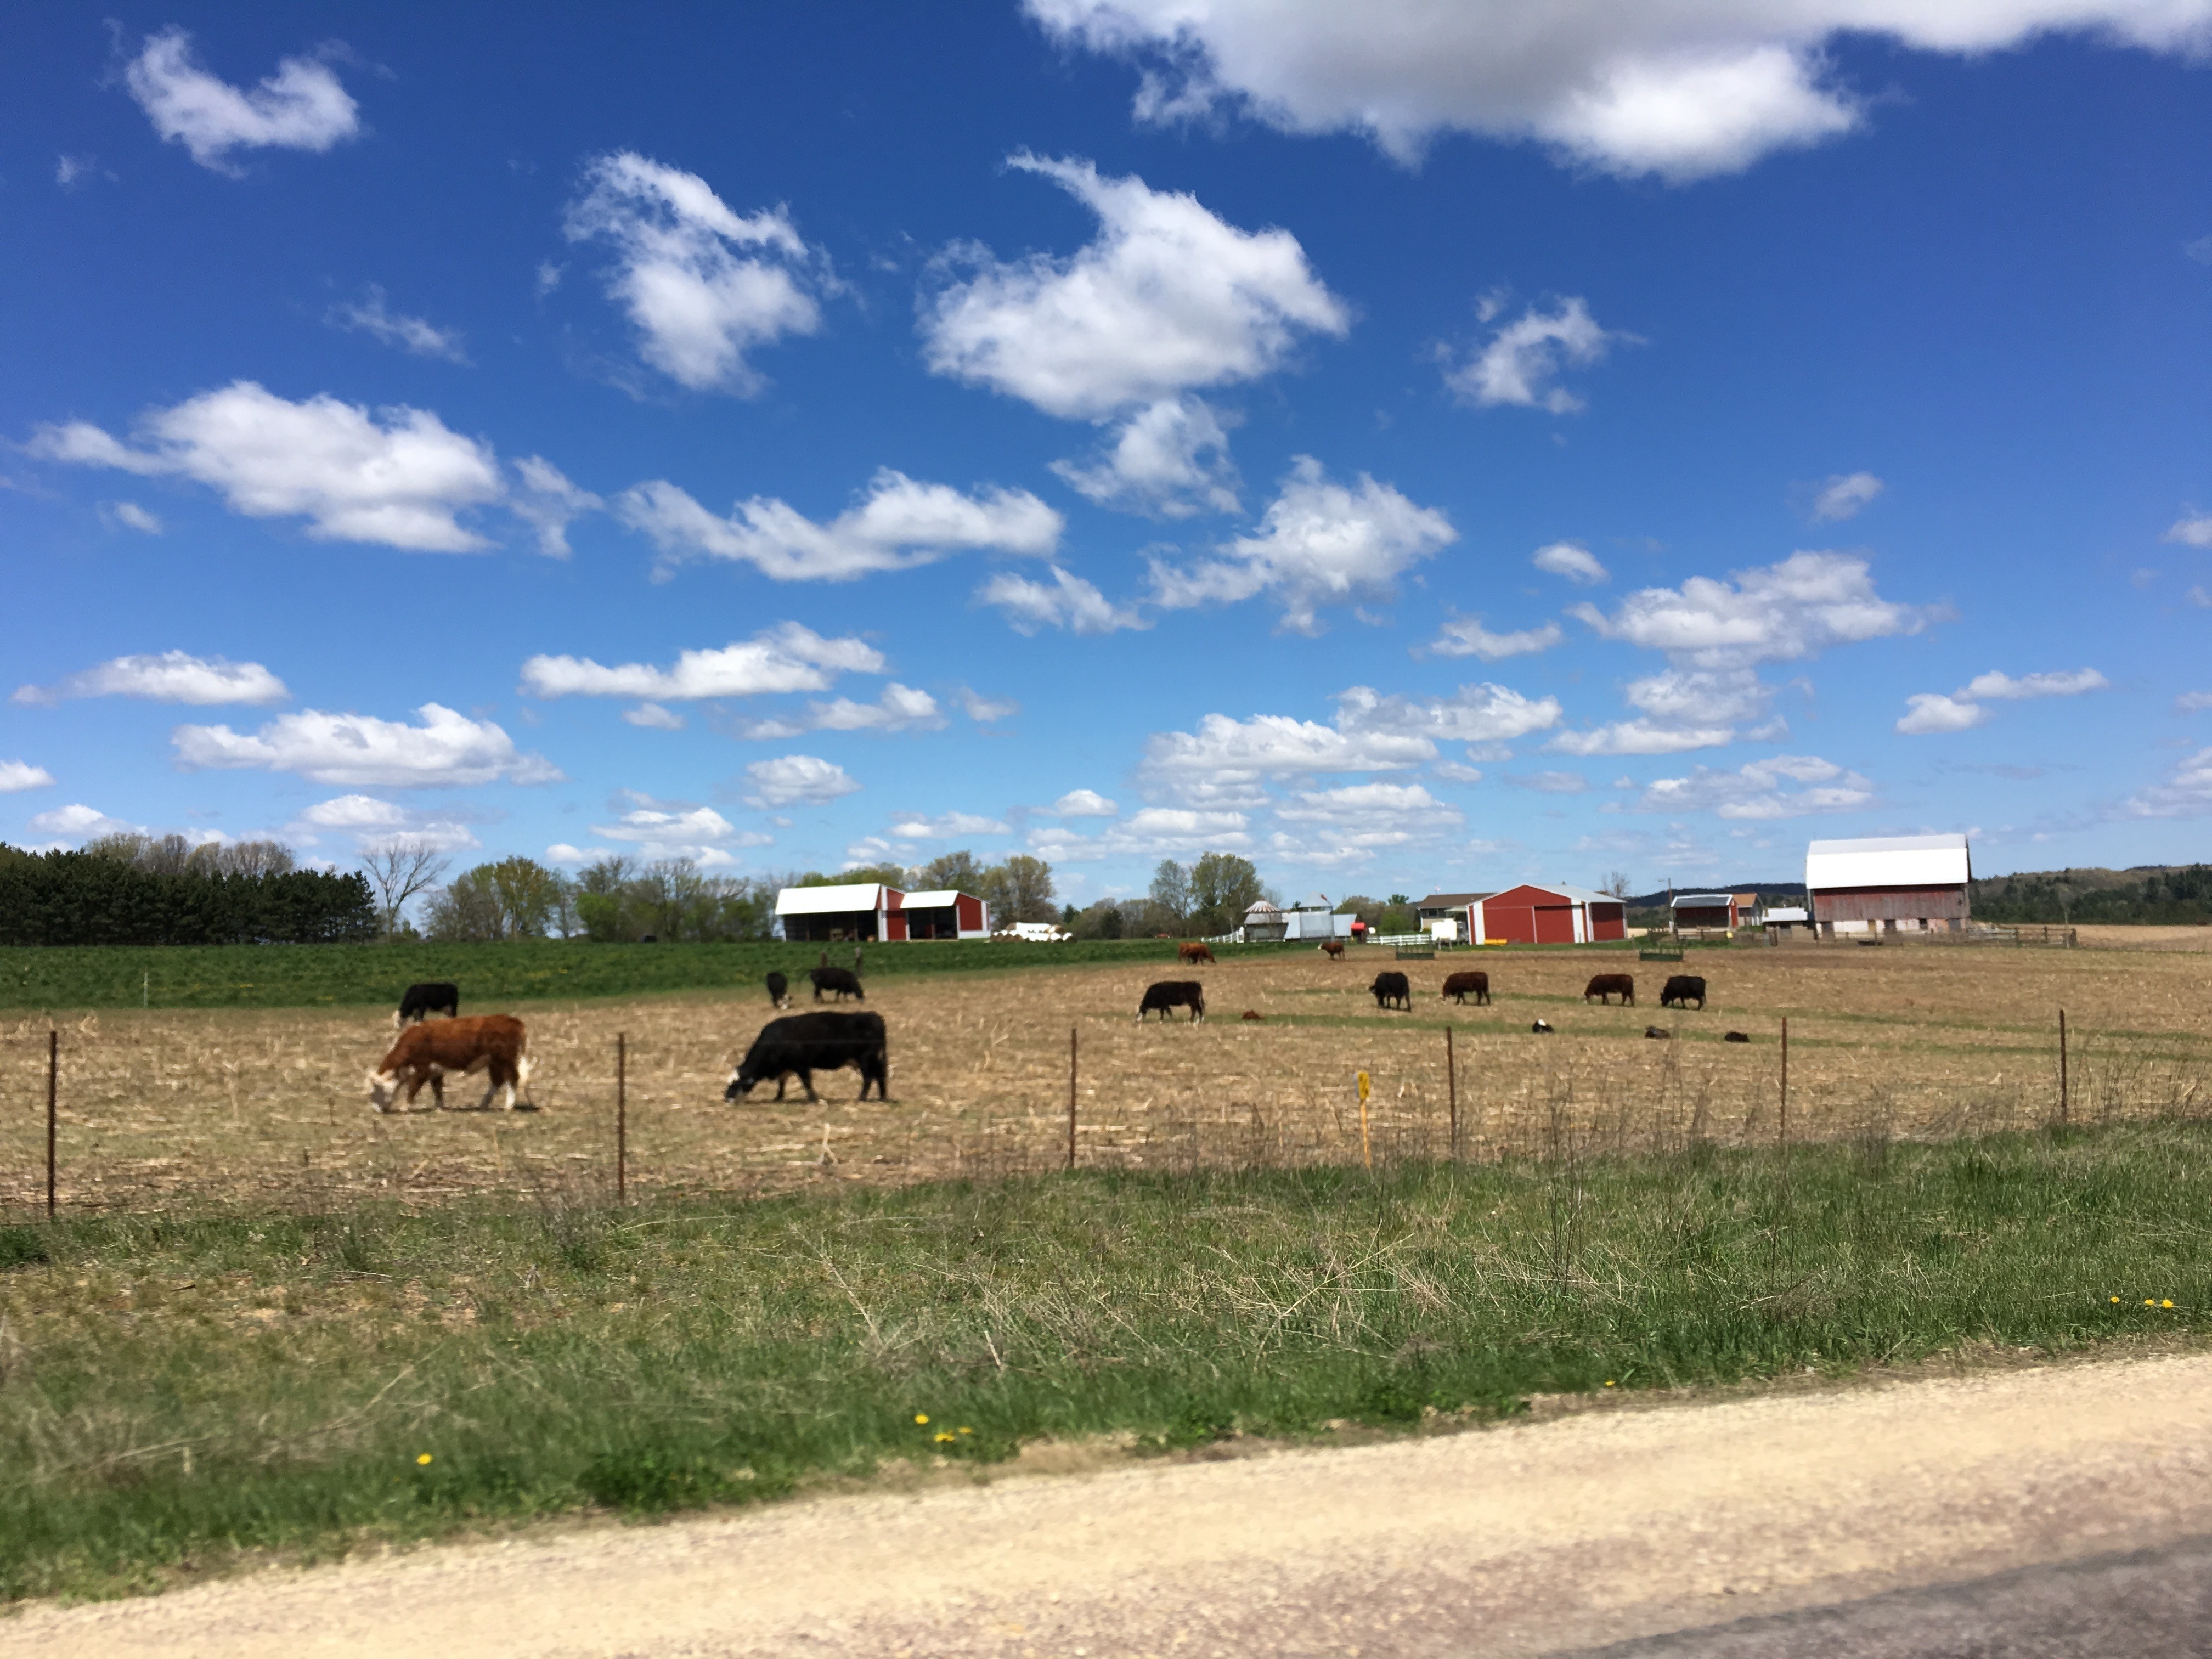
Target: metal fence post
pixel 2062 1069
pixel 53 1074
pixel 1451 1089
pixel 1782 1132
pixel 1070 1096
pixel 622 1117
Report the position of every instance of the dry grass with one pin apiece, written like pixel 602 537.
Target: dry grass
pixel 1923 1041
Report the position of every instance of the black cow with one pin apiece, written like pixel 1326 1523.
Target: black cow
pixel 1654 1032
pixel 843 983
pixel 779 989
pixel 1679 988
pixel 1457 985
pixel 1169 994
pixel 800 1045
pixel 1735 1036
pixel 1390 988
pixel 428 999
pixel 1602 986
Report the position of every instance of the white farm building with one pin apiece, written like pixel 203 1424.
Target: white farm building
pixel 1888 884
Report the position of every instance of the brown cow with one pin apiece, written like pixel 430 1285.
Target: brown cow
pixel 1193 953
pixel 1602 986
pixel 1456 986
pixel 429 1052
pixel 1332 948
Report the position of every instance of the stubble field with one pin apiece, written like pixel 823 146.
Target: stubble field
pixel 1911 1041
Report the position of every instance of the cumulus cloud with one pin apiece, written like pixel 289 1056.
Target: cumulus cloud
pixel 899 709
pixel 302 106
pixel 1084 804
pixel 789 657
pixel 1318 543
pixel 1929 712
pixel 1549 783
pixel 544 498
pixel 1518 363
pixel 899 524
pixel 445 750
pixel 1466 637
pixel 16 775
pixel 1153 832
pixel 170 677
pixel 376 824
pixel 1844 494
pixel 1681 88
pixel 2189 702
pixel 1168 298
pixel 1783 787
pixel 704 285
pixel 920 827
pixel 369 315
pixel 677 830
pixel 2187 794
pixel 795 781
pixel 2193 531
pixel 1404 806
pixel 1680 710
pixel 1775 613
pixel 1570 560
pixel 1067 601
pixel 653 718
pixel 1169 460
pixel 132 516
pixel 984 710
pixel 398 480
pixel 79 822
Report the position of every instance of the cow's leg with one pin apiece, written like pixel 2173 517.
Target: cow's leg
pixel 807 1079
pixel 781 1078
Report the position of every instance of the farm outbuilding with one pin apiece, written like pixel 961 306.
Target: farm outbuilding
pixel 1705 910
pixel 1889 885
pixel 1560 915
pixel 870 910
pixel 1315 917
pixel 1264 924
pixel 1445 915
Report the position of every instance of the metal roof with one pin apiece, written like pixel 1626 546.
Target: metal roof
pixel 940 898
pixel 1703 901
pixel 1264 908
pixel 1889 861
pixel 817 900
pixel 1789 912
pixel 1451 900
pixel 1562 889
pixel 1313 901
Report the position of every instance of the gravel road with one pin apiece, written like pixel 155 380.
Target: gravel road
pixel 1747 1527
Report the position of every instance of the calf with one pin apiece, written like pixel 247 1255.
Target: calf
pixel 1332 948
pixel 1735 1036
pixel 1602 986
pixel 1193 953
pixel 1681 988
pixel 426 1053
pixel 844 982
pixel 1456 986
pixel 426 999
pixel 1654 1032
pixel 779 989
pixel 1540 1028
pixel 1171 993
pixel 803 1044
pixel 1389 988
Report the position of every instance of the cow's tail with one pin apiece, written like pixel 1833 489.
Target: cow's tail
pixel 522 1070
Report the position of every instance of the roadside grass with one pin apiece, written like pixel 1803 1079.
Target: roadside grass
pixel 181 1392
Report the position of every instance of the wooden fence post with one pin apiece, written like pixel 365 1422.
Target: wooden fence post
pixel 53 1074
pixel 1451 1089
pixel 1070 1096
pixel 622 1117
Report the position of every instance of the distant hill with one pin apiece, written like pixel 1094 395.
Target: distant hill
pixel 1765 890
pixel 2164 893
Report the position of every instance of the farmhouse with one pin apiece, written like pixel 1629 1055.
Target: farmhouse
pixel 855 911
pixel 1444 915
pixel 1548 914
pixel 1888 884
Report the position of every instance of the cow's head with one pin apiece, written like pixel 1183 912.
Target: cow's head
pixel 740 1085
pixel 383 1091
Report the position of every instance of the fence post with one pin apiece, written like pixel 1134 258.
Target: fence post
pixel 2061 1068
pixel 1781 1130
pixel 622 1117
pixel 1070 1096
pixel 54 1072
pixel 1366 1152
pixel 1451 1089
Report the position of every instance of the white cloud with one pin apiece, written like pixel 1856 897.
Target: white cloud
pixel 302 106
pixel 446 751
pixel 2200 598
pixel 1517 366
pixel 375 824
pixel 1084 804
pixel 171 677
pixel 1318 543
pixel 653 718
pixel 398 481
pixel 16 776
pixel 2194 530
pixel 1550 783
pixel 1844 494
pixel 1683 88
pixel 704 285
pixel 899 525
pixel 132 516
pixel 984 710
pixel 1167 299
pixel 1453 772
pixel 1573 561
pixel 1683 708
pixel 2189 702
pixel 78 822
pixel 1153 832
pixel 1067 601
pixel 1928 712
pixel 789 657
pixel 1169 460
pixel 899 709
pixel 1482 714
pixel 796 780
pixel 1775 613
pixel 660 830
pixel 948 824
pixel 1995 687
pixel 545 500
pixel 1404 806
pixel 1762 790
pixel 70 171
pixel 1642 737
pixel 1466 637
pixel 2187 793
pixel 411 334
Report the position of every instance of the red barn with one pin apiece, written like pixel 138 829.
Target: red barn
pixel 1558 915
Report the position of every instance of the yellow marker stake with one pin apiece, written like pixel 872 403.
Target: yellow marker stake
pixel 1366 1154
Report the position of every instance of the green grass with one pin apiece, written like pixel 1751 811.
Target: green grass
pixel 320 975
pixel 175 1391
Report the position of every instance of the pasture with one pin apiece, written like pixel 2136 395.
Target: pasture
pixel 268 1106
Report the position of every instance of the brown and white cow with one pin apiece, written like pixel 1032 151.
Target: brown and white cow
pixel 1332 948
pixel 435 1049
pixel 1193 953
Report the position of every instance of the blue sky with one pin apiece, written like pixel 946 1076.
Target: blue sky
pixel 1494 441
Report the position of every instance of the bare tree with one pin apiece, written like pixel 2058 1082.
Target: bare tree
pixel 1615 883
pixel 399 870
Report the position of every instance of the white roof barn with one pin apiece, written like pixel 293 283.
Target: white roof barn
pixel 1889 884
pixel 823 901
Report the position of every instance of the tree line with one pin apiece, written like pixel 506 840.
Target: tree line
pixel 147 890
pixel 2180 896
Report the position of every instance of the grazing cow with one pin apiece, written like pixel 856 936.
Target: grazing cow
pixel 839 980
pixel 1679 988
pixel 1390 988
pixel 1253 1013
pixel 1654 1032
pixel 1332 948
pixel 1540 1028
pixel 1168 995
pixel 802 1044
pixel 429 1052
pixel 1735 1036
pixel 1193 953
pixel 1456 986
pixel 431 997
pixel 779 989
pixel 1602 986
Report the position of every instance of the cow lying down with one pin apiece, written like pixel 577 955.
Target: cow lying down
pixel 800 1045
pixel 435 1049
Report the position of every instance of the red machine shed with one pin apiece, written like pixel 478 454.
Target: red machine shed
pixel 1530 914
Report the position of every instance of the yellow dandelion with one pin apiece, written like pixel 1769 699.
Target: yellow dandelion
pixel 2167 1303
pixel 2116 1299
pixel 965 1429
pixel 942 1437
pixel 921 1417
pixel 1608 1382
pixel 2149 1303
pixel 424 1458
